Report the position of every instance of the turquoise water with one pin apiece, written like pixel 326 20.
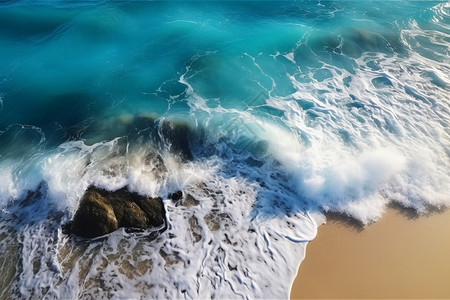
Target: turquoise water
pixel 289 108
pixel 67 66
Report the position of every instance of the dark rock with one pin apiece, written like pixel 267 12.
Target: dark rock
pixel 196 230
pixel 129 214
pixel 176 196
pixel 187 201
pixel 177 134
pixel 95 216
pixel 153 208
pixel 102 212
pixel 190 201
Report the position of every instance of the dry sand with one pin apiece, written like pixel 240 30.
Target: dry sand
pixel 400 256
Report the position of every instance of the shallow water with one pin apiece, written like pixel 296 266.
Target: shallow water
pixel 289 109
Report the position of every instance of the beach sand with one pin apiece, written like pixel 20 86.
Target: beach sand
pixel 400 256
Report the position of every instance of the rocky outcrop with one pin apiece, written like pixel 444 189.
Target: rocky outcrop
pixel 176 135
pixel 176 196
pixel 102 212
pixel 179 199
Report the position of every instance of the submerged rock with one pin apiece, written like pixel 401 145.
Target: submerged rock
pixel 180 199
pixel 176 196
pixel 190 201
pixel 177 134
pixel 102 212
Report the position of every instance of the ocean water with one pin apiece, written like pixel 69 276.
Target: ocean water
pixel 289 109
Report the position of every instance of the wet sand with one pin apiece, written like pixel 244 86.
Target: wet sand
pixel 400 256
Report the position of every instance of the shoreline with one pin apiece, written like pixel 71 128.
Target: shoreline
pixel 403 255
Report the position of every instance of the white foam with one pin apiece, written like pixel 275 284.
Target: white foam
pixel 240 252
pixel 8 189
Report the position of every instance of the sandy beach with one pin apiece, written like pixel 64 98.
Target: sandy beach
pixel 400 256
